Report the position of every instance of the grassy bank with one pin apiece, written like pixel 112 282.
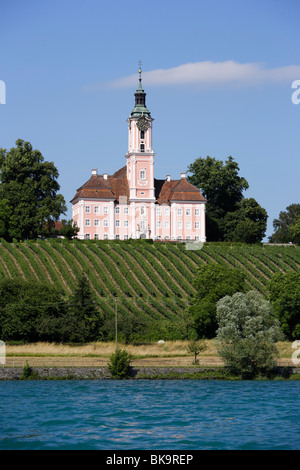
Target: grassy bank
pixel 104 350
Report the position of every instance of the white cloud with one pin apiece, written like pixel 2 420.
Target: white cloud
pixel 207 73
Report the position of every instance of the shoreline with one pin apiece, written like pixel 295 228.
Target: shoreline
pixel 136 373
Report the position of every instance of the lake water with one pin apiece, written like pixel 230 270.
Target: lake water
pixel 149 415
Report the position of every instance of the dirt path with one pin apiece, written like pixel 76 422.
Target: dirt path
pixel 102 362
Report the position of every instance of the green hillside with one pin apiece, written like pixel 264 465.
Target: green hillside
pixel 154 281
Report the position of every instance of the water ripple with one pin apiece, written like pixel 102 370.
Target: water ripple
pixel 149 415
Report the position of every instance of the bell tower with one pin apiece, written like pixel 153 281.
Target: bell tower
pixel 140 155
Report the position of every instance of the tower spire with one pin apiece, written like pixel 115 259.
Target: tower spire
pixel 140 97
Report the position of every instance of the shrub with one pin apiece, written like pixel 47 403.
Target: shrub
pixel 119 365
pixel 29 373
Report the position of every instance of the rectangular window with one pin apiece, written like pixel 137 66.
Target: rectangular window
pixel 87 236
pixel 188 225
pixel 125 237
pixel 96 223
pixel 187 211
pixel 197 225
pixel 179 224
pixel 117 223
pixel 167 210
pixel 126 211
pixel 167 224
pixel 158 211
pixel 117 237
pixel 87 222
pixel 125 223
pixel 87 209
pixel 158 224
pixel 179 212
pixel 96 237
pixel 105 223
pixel 117 209
pixel 105 210
pixel 105 236
pixel 197 212
pixel 96 209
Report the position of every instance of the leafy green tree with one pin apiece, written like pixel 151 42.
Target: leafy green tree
pixel 212 283
pixel 295 231
pixel 69 229
pixel 29 186
pixel 223 188
pixel 248 223
pixel 284 295
pixel 247 333
pixel 196 347
pixel 284 226
pixel 30 311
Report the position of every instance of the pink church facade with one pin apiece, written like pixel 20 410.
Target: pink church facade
pixel 132 203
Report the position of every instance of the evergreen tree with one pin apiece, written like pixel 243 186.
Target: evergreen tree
pixel 84 319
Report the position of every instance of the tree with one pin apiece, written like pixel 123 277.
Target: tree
pixel 212 283
pixel 29 186
pixel 284 226
pixel 246 335
pixel 30 311
pixel 295 231
pixel 248 223
pixel 223 188
pixel 196 347
pixel 69 229
pixel 84 319
pixel 230 217
pixel 284 295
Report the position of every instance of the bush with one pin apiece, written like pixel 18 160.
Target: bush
pixel 119 365
pixel 29 373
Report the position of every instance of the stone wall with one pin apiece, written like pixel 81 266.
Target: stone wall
pixel 102 373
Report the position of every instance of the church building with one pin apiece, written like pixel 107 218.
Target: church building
pixel 132 203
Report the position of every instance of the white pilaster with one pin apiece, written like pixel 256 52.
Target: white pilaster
pixel 111 220
pixel 202 223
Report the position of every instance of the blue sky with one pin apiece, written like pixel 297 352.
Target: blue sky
pixel 218 76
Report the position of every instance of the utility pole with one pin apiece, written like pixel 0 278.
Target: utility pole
pixel 116 321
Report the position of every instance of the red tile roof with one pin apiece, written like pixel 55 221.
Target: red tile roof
pixel 116 185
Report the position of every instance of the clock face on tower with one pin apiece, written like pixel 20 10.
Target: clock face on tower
pixel 143 124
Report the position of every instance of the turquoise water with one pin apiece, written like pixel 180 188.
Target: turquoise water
pixel 149 415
